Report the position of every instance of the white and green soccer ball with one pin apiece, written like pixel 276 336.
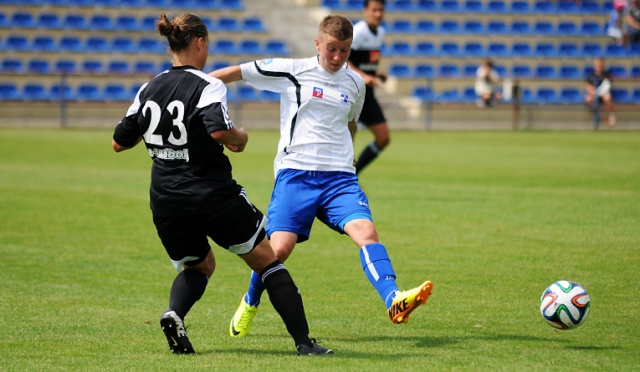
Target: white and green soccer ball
pixel 565 304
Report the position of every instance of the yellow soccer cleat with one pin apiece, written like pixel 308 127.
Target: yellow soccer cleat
pixel 405 302
pixel 241 321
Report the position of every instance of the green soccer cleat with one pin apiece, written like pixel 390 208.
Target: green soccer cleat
pixel 241 321
pixel 405 302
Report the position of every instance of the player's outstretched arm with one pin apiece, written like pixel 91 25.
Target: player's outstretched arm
pixel 228 74
pixel 234 139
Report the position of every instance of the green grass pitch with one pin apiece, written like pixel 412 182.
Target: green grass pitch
pixel 491 218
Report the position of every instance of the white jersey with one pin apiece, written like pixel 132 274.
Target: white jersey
pixel 315 109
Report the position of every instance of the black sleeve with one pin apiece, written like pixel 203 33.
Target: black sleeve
pixel 127 132
pixel 216 117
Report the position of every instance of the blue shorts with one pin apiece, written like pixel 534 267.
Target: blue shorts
pixel 300 196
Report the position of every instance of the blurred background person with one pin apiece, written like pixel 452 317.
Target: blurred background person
pixel 632 21
pixel 487 84
pixel 598 89
pixel 615 23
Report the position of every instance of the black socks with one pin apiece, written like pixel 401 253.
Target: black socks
pixel 186 290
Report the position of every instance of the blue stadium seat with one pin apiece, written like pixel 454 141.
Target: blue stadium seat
pixel 634 50
pixel 134 90
pixel 520 50
pixel 449 6
pixel 546 95
pixel 424 94
pixel 248 94
pixel 448 70
pixel 545 50
pixel 148 23
pixel 568 50
pixel 145 67
pixel 473 28
pixel 520 7
pixel 620 95
pixel 473 49
pixel 591 7
pixel 521 71
pixel 400 70
pixel 253 24
pixel 544 72
pixel 48 21
pixel 569 72
pixel 400 49
pixel 17 43
pixel 11 66
pixel 618 72
pixel 473 7
pixel 449 26
pixel 96 44
pixel 615 51
pixel 65 66
pixel 426 6
pixel 635 96
pixel 75 22
pixel 543 28
pixel 92 67
pixel 496 7
pixel 127 23
pixel 206 4
pixel 43 44
pixel 570 95
pixel 131 3
pixel 448 96
pixel 61 92
pixel 425 27
pixel 3 20
pixel 276 48
pixel 567 7
pixel 544 7
pixel 497 49
pixel 470 70
pixel 406 6
pixel 591 50
pixel 217 65
pixel 238 5
pixel 269 96
pixel 89 92
pixel 227 24
pixel 150 45
pixel 9 92
pixel 70 44
pixel 100 22
pixel 122 44
pixel 520 28
pixel 468 95
pixel 567 28
pixel 22 20
pixel 34 92
pixel 635 72
pixel 331 4
pixel 116 92
pixel 118 67
pixel 224 47
pixel 400 26
pixel 38 66
pixel 423 71
pixel 496 28
pixel 589 28
pixel 251 47
pixel 106 3
pixel 449 49
pixel 165 66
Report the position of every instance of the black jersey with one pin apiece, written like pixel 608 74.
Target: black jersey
pixel 365 47
pixel 595 79
pixel 174 114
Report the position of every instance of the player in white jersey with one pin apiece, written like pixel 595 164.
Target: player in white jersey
pixel 321 99
pixel 365 59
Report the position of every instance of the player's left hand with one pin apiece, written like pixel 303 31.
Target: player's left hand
pixel 382 76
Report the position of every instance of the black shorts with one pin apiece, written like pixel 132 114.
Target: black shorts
pixel 371 110
pixel 237 226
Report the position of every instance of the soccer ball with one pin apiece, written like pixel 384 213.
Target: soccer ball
pixel 565 305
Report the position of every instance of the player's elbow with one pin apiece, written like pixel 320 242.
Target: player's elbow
pixel 117 147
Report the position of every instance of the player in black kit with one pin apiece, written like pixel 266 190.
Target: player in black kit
pixel 364 59
pixel 182 117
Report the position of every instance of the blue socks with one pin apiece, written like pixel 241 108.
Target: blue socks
pixel 256 287
pixel 375 263
pixel 377 267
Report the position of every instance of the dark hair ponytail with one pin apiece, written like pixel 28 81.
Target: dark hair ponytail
pixel 181 30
